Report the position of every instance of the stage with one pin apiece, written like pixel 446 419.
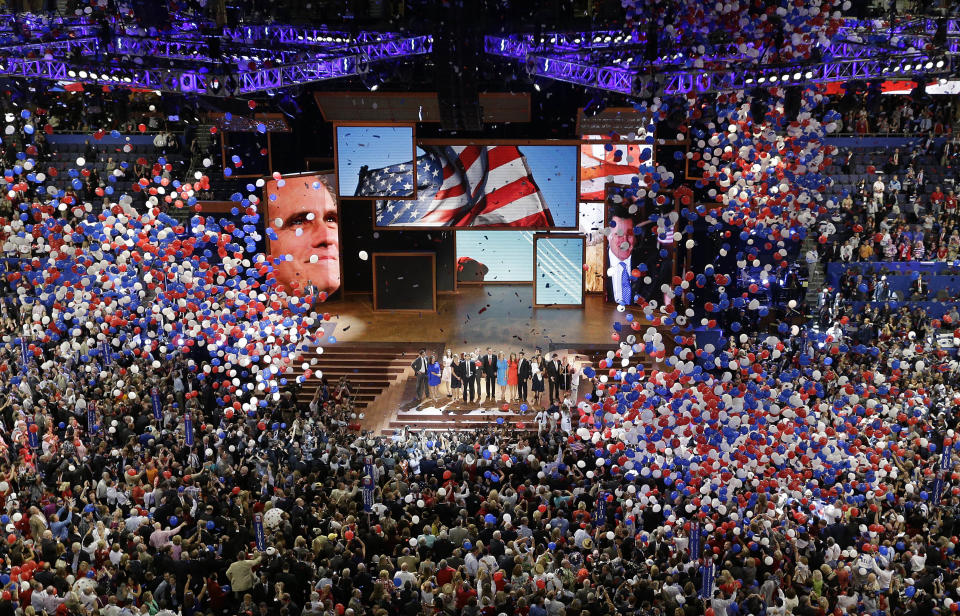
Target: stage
pixel 499 316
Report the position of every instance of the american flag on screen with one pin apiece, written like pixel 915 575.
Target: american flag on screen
pixel 600 166
pixel 465 186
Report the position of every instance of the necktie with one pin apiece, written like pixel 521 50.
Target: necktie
pixel 625 297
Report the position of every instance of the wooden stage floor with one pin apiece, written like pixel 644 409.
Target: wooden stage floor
pixel 500 316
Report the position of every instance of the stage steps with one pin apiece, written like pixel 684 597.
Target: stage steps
pixel 370 367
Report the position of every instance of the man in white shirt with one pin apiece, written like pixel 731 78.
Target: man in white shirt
pixel 878 189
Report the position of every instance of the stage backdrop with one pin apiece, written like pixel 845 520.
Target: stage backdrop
pixel 487 185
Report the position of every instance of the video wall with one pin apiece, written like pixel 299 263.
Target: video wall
pixel 604 161
pixel 558 271
pixel 303 232
pixel 638 250
pixel 507 256
pixel 487 186
pixel 477 205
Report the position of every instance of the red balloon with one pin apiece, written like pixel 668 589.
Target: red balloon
pixel 348 535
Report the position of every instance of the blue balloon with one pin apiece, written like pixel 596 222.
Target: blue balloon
pixel 910 591
pixel 397 582
pixel 490 518
pixel 467 545
pixel 173 520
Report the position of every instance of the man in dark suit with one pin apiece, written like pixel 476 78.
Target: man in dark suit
pixel 469 372
pixel 619 285
pixel 553 378
pixel 419 366
pixel 490 374
pixel 524 372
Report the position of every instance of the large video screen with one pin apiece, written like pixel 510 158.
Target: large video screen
pixel 494 256
pixel 634 266
pixel 605 162
pixel 507 256
pixel 303 230
pixel 499 186
pixel 375 161
pixel 559 271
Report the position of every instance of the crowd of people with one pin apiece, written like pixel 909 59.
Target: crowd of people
pixel 894 212
pixel 156 458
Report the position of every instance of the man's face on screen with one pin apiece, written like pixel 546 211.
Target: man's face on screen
pixel 622 239
pixel 304 216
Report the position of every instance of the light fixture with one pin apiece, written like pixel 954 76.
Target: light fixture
pixel 375 87
pixel 809 75
pixel 928 65
pixel 940 63
pixel 536 87
pixel 797 76
pixel 762 80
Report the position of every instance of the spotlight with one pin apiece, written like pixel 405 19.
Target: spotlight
pixel 797 76
pixel 940 63
pixel 762 80
pixel 928 65
pixel 375 87
pixel 809 75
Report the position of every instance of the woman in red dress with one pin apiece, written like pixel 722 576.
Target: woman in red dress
pixel 512 378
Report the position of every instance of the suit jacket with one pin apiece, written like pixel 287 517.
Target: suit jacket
pixel 636 284
pixel 553 368
pixel 524 370
pixel 467 368
pixel 419 365
pixel 489 365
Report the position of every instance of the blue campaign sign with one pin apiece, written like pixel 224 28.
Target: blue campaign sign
pixel 368 494
pixel 258 532
pixel 155 398
pixel 91 417
pixel 188 428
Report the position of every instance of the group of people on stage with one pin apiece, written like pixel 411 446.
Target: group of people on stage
pixel 496 376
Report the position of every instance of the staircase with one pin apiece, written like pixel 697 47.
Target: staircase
pixel 204 139
pixel 816 277
pixel 370 368
pixel 448 415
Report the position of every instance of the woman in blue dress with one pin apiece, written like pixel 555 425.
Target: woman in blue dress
pixel 433 376
pixel 502 367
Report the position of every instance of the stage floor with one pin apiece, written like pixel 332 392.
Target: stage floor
pixel 501 316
